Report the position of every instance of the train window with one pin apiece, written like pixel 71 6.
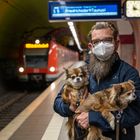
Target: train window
pixel 36 61
pixel 36 51
pixel 36 58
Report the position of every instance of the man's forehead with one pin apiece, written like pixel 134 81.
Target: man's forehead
pixel 101 33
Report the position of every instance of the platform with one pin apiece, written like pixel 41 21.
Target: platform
pixel 39 121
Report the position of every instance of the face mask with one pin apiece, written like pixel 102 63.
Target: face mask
pixel 103 50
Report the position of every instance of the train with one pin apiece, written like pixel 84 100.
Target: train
pixel 44 62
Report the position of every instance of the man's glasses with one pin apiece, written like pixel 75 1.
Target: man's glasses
pixel 96 41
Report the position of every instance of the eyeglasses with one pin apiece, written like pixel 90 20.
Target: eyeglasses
pixel 107 39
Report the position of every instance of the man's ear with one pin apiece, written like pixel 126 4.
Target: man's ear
pixel 117 44
pixel 90 45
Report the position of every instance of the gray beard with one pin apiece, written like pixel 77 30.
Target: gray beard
pixel 101 69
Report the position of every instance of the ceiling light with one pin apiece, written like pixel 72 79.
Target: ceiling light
pixel 72 28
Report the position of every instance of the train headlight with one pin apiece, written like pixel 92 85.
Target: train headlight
pixel 52 69
pixel 21 69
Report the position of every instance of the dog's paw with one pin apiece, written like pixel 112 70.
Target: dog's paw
pixel 112 123
pixel 106 138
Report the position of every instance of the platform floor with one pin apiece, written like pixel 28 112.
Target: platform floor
pixel 39 121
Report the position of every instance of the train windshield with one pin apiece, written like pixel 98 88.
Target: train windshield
pixel 36 58
pixel 36 61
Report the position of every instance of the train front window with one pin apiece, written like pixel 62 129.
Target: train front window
pixel 36 58
pixel 36 61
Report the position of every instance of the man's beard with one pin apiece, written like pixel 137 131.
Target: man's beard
pixel 101 69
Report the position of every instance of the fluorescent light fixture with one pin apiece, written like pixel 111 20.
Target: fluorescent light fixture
pixel 72 28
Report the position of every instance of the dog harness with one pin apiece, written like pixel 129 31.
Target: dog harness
pixel 82 94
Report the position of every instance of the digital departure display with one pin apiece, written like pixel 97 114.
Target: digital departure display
pixel 84 10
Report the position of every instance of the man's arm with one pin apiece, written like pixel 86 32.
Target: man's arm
pixel 131 115
pixel 93 118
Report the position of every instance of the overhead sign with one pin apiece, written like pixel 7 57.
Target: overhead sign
pixel 84 10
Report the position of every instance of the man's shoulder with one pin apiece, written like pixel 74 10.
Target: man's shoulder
pixel 125 67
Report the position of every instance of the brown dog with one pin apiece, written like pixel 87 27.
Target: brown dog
pixel 112 99
pixel 74 92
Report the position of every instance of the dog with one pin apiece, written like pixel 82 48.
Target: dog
pixel 112 99
pixel 74 92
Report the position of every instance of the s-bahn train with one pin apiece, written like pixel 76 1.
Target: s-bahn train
pixel 44 62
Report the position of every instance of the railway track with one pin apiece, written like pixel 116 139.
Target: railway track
pixel 11 104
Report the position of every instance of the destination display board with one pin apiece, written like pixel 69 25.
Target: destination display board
pixel 84 10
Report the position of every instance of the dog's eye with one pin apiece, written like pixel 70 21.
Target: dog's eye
pixel 122 90
pixel 128 93
pixel 73 77
pixel 81 75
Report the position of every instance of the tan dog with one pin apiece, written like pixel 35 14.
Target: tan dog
pixel 75 91
pixel 112 99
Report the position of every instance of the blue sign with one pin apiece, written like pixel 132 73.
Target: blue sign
pixel 84 10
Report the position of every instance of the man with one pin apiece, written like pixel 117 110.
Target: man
pixel 106 69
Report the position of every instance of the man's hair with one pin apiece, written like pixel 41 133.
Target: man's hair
pixel 103 25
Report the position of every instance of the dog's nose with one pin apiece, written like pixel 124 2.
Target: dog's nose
pixel 134 96
pixel 78 79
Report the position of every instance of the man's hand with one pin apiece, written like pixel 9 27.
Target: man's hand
pixel 83 120
pixel 72 107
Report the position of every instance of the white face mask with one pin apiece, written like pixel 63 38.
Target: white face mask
pixel 103 50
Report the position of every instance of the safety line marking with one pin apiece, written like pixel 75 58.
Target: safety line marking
pixel 53 130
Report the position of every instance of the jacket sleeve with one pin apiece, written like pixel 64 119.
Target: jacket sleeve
pixel 60 107
pixel 131 115
pixel 95 118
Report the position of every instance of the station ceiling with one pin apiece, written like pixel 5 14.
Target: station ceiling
pixel 20 19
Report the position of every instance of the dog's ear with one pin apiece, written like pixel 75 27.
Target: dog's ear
pixel 118 88
pixel 131 82
pixel 66 71
pixel 84 69
pixel 131 85
pixel 115 92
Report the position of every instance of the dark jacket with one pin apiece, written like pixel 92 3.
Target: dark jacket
pixel 121 71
